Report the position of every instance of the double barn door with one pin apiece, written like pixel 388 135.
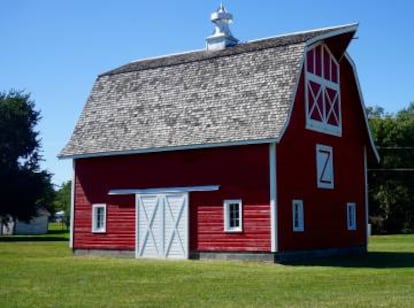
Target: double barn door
pixel 162 225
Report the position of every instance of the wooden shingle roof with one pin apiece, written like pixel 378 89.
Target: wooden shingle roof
pixel 238 95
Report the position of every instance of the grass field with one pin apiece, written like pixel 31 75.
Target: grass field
pixel 43 273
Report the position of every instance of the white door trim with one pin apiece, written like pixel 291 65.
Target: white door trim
pixel 163 242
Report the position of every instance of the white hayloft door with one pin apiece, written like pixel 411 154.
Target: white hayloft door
pixel 162 225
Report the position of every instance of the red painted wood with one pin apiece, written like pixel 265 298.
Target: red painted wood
pixel 324 209
pixel 242 173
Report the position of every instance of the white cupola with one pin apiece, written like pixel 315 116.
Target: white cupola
pixel 221 37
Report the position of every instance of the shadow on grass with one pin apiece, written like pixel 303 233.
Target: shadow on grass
pixel 376 260
pixel 31 238
pixel 51 236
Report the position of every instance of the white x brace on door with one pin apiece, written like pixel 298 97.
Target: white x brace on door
pixel 162 225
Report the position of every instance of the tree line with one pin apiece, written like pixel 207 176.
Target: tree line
pixel 391 183
pixel 25 187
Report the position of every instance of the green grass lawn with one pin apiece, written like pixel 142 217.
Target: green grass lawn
pixel 45 274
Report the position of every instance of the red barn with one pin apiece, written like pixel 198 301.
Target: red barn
pixel 243 150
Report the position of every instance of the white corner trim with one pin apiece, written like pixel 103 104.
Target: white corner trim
pixel 361 99
pixel 273 198
pixel 366 193
pixel 72 205
pixel 114 192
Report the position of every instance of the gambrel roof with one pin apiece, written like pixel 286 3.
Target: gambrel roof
pixel 239 95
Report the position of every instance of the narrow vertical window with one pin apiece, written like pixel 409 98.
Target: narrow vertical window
pixel 297 216
pixel 351 216
pixel 324 166
pixel 233 216
pixel 99 218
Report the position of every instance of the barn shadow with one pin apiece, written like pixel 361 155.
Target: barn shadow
pixel 375 260
pixel 50 236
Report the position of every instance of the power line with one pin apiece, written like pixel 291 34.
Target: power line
pixel 394 169
pixel 395 148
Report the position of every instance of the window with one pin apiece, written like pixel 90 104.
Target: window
pixel 297 216
pixel 323 104
pixel 99 218
pixel 351 216
pixel 233 216
pixel 324 166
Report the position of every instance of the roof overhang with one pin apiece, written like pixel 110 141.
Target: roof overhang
pixel 140 191
pixel 171 149
pixel 337 40
pixel 361 99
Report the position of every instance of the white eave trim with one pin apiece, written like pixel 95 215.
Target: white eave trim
pixel 361 99
pixel 342 30
pixel 172 148
pixel 115 192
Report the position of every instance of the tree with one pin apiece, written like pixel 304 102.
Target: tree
pixel 62 200
pixel 24 187
pixel 392 183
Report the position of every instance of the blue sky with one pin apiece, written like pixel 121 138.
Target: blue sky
pixel 55 49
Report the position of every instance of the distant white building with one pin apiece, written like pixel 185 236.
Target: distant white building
pixel 38 225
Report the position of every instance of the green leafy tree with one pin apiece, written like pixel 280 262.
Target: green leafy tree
pixel 392 183
pixel 24 187
pixel 62 200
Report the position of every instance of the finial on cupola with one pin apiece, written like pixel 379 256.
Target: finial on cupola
pixel 221 37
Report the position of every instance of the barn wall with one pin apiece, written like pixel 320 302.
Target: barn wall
pixel 324 209
pixel 242 173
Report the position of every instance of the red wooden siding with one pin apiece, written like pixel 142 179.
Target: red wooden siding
pixel 242 173
pixel 324 209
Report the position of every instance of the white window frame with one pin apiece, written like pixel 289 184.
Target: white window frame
pixel 95 228
pixel 325 173
pixel 312 124
pixel 351 219
pixel 297 210
pixel 226 207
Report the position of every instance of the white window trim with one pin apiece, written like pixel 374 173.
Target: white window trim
pixel 324 126
pixel 226 208
pixel 94 208
pixel 321 168
pixel 301 220
pixel 351 225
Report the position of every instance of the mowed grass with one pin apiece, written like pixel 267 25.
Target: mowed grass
pixel 45 274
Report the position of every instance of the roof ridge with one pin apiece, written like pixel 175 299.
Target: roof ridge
pixel 331 28
pixel 292 38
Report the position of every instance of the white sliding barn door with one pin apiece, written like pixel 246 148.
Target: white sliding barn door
pixel 162 225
